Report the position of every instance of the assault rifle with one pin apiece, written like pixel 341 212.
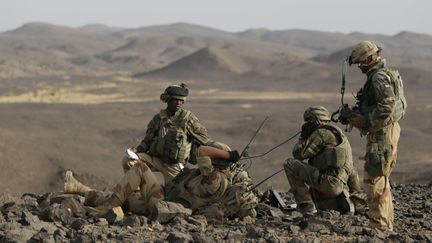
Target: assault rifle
pixel 345 111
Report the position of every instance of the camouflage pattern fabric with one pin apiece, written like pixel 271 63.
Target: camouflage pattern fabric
pixel 303 177
pixel 193 127
pixel 124 193
pixel 213 192
pixel 207 190
pixel 377 99
pixel 194 130
pixel 169 171
pixel 376 178
pixel 377 104
pixel 325 184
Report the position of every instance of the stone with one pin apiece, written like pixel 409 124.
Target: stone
pixel 78 224
pixel 254 232
pixel 296 215
pixel 297 240
pixel 198 220
pixel 157 226
pixel 101 222
pixel 28 219
pixel 75 206
pixel 201 238
pixel 60 235
pixel 178 237
pixel 132 221
pixel 294 229
pixel 114 215
pixel 42 236
pixel 30 200
pixel 267 211
pixel 83 238
pixel 143 220
pixel 166 211
pixel 234 235
pixel 57 213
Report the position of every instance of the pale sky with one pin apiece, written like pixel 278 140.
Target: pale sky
pixel 369 16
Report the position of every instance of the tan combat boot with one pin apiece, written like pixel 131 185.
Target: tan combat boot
pixel 73 186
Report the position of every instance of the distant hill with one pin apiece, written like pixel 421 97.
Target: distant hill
pixel 184 50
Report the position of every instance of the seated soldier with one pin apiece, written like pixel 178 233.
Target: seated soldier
pixel 210 189
pixel 325 180
pixel 170 136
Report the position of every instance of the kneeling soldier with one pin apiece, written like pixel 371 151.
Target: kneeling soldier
pixel 323 181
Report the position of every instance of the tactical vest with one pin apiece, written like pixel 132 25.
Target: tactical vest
pixel 334 157
pixel 171 143
pixel 367 100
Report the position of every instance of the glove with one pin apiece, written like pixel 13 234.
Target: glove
pixel 234 156
pixel 356 120
pixel 307 129
pixel 140 149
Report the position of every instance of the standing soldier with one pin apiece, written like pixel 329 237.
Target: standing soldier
pixel 381 104
pixel 328 176
pixel 171 136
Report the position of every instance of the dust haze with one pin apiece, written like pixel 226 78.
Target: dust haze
pixel 76 98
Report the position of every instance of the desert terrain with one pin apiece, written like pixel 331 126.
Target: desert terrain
pixel 76 98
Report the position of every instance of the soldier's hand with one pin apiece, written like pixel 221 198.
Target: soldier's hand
pixel 356 120
pixel 234 156
pixel 307 129
pixel 140 149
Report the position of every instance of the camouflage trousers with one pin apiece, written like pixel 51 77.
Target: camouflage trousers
pixel 169 171
pixel 381 154
pixel 142 202
pixel 305 179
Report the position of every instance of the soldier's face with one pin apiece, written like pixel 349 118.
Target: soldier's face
pixel 174 105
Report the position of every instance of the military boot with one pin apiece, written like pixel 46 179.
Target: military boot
pixel 345 205
pixel 306 208
pixel 73 186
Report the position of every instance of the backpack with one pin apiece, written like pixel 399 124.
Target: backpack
pixel 400 100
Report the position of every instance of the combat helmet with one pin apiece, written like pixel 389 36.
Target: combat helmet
pixel 179 92
pixel 362 51
pixel 316 113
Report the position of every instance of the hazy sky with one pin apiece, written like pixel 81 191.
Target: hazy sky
pixel 370 16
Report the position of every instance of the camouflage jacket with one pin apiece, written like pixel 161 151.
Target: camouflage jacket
pixel 194 129
pixel 328 150
pixel 377 99
pixel 207 185
pixel 314 144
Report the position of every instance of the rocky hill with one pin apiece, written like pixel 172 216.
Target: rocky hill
pixel 62 218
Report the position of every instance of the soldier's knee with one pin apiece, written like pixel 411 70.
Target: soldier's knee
pixel 127 163
pixel 289 166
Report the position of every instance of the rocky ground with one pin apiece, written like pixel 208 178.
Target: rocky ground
pixel 62 218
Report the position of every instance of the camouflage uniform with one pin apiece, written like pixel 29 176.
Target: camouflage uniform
pixel 157 127
pixel 380 110
pixel 214 192
pixel 316 181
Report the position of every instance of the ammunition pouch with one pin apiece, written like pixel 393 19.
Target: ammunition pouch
pixel 173 148
pixel 172 144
